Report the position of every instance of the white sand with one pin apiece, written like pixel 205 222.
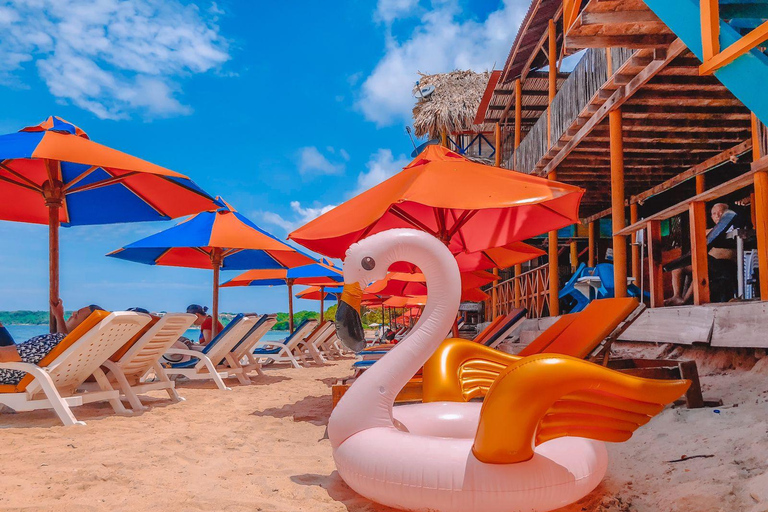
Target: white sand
pixel 263 447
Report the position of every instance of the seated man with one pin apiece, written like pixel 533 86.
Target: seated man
pixel 721 261
pixel 35 349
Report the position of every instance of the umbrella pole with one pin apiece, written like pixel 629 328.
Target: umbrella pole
pixel 216 263
pixel 290 304
pixel 53 195
pixel 322 295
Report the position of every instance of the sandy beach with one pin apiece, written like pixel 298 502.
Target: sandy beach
pixel 263 447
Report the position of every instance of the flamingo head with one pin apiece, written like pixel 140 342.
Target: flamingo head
pixel 365 262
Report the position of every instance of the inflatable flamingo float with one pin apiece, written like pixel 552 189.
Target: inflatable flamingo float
pixel 534 444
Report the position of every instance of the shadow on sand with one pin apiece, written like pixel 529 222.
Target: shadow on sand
pixel 339 491
pixel 312 409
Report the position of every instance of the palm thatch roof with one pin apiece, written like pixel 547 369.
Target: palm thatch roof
pixel 453 105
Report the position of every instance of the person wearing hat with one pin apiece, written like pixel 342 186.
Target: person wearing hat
pixel 205 321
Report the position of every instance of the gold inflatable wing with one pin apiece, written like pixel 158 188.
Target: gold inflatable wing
pixel 546 396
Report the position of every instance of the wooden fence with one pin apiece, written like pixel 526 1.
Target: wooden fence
pixel 533 289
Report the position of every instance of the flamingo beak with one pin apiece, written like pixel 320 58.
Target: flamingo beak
pixel 349 326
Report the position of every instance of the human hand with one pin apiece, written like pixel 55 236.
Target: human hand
pixel 57 307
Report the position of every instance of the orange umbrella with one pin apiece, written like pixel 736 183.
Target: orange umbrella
pixel 498 257
pixel 408 285
pixel 467 205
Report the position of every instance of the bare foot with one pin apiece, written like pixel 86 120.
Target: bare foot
pixel 674 301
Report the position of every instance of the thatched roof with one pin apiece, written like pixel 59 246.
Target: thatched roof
pixel 453 105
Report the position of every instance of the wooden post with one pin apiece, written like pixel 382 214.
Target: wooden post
pixel 710 28
pixel 216 264
pixel 701 184
pixel 552 40
pixel 636 270
pixel 322 297
pixel 444 139
pixel 554 281
pixel 518 288
pixel 761 226
pixel 591 236
pixel 617 203
pixel 53 193
pixel 497 154
pixel 574 255
pixel 698 217
pixel 494 296
pixel 518 117
pixel 289 282
pixel 655 271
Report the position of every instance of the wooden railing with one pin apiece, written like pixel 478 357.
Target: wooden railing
pixel 533 289
pixel 586 79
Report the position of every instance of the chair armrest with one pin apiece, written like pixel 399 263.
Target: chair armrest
pixel 185 352
pixel 269 344
pixel 19 366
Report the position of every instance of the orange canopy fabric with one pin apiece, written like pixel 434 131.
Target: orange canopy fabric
pixel 406 284
pixel 468 205
pixel 498 257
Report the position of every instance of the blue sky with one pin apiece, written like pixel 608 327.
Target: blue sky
pixel 283 111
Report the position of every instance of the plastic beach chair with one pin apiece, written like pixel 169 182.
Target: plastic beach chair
pixel 283 351
pixel 607 288
pixel 203 365
pixel 239 362
pixel 569 293
pixel 130 365
pixel 54 382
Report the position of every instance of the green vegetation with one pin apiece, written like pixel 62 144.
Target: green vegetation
pixel 25 317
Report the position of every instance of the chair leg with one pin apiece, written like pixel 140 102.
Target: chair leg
pixel 170 386
pixel 212 370
pixel 242 378
pixel 125 387
pixel 104 384
pixel 291 357
pixel 60 407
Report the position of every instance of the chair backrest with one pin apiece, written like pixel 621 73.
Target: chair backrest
pixel 319 332
pixel 605 272
pixel 510 320
pixel 72 366
pixel 577 274
pixel 300 333
pixel 125 348
pixel 218 348
pixel 262 326
pixel 578 334
pixel 150 347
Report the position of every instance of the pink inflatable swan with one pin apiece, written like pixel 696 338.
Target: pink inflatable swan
pixel 501 455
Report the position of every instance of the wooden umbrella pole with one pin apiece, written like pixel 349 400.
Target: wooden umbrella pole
pixel 322 295
pixel 216 264
pixel 54 199
pixel 290 304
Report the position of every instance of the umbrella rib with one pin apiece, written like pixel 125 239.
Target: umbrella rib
pixel 463 219
pixel 397 211
pixel 80 178
pixel 102 183
pixel 461 235
pixel 22 185
pixel 31 183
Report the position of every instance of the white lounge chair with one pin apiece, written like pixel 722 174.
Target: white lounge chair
pixel 130 365
pixel 311 347
pixel 240 361
pixel 54 382
pixel 283 351
pixel 203 365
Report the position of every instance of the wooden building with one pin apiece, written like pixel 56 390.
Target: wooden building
pixel 654 121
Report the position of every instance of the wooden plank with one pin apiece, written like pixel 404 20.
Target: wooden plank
pixel 697 212
pixel 655 270
pixel 713 193
pixel 683 325
pixel 617 205
pixel 740 325
pixel 761 227
pixel 623 40
pixel 611 17
pixel 621 95
pixel 734 51
pixel 592 258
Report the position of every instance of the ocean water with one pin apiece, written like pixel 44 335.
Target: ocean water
pixel 24 332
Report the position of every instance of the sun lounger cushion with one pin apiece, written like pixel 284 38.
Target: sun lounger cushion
pixel 273 351
pixel 89 323
pixel 125 348
pixel 509 320
pixel 258 324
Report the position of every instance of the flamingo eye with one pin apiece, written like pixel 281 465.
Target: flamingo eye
pixel 368 263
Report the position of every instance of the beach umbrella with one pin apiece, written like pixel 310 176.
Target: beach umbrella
pixel 467 205
pixel 498 257
pixel 414 284
pixel 52 173
pixel 315 274
pixel 219 239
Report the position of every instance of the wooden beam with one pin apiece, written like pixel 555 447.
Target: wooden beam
pixel 710 28
pixel 636 270
pixel 554 277
pixel 697 211
pixel 591 236
pixel 761 227
pixel 736 50
pixel 518 117
pixel 497 141
pixel 609 18
pixel 621 95
pixel 518 288
pixel 552 38
pixel 733 185
pixel 655 269
pixel 617 204
pixel 624 41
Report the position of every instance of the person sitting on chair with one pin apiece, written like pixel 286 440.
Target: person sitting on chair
pixel 35 349
pixel 721 258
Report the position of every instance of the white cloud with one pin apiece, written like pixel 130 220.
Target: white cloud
pixel 388 10
pixel 112 57
pixel 381 166
pixel 313 162
pixel 300 215
pixel 445 38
